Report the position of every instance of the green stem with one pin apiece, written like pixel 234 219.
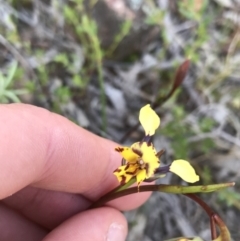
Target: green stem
pixel 117 193
pixel 214 219
pixel 102 95
pixel 209 212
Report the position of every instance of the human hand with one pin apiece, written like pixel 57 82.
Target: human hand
pixel 51 171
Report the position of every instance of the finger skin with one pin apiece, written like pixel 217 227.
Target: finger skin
pixel 51 208
pixel 47 208
pixel 46 150
pixel 93 225
pixel 15 227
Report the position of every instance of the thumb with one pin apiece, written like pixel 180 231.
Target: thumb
pixel 92 225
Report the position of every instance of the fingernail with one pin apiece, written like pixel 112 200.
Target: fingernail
pixel 116 232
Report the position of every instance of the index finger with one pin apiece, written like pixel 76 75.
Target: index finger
pixel 48 151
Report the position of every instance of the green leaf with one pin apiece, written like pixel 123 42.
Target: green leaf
pixel 10 95
pixel 11 72
pixel 20 92
pixel 1 84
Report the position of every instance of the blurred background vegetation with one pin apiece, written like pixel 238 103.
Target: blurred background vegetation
pixel 98 62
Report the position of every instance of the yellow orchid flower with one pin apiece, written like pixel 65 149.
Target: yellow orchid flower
pixel 142 159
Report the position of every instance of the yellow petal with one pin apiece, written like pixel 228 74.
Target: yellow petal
pixel 149 120
pixel 149 157
pixel 125 173
pixel 141 176
pixel 127 154
pixel 184 170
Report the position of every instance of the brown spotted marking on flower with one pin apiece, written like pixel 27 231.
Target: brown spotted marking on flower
pixel 119 149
